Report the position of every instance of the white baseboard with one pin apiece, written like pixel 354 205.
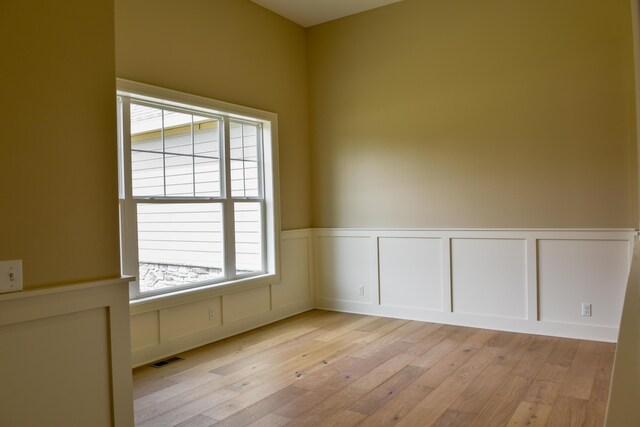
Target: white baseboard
pixel 586 332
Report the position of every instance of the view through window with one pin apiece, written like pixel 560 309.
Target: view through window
pixel 194 199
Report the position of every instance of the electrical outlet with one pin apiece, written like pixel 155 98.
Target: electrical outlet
pixel 10 276
pixel 361 290
pixel 586 309
pixel 212 314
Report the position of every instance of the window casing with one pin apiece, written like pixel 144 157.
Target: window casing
pixel 198 191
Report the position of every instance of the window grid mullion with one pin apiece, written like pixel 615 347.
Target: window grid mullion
pixel 193 157
pixel 260 161
pixel 261 196
pixel 244 176
pixel 263 234
pixel 164 156
pixel 229 214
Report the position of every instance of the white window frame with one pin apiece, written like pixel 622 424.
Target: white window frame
pixel 171 99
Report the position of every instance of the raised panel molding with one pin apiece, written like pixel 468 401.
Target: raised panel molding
pixel 187 319
pixel 489 277
pixel 594 268
pixel 528 280
pixel 344 266
pixel 411 273
pixel 145 330
pixel 240 305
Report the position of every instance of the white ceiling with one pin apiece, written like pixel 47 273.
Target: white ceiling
pixel 312 12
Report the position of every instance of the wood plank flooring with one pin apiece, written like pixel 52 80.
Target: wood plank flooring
pixel 337 369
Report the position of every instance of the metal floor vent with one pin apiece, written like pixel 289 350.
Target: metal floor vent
pixel 166 362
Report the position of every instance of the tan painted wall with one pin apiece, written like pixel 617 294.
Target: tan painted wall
pixel 474 114
pixel 230 50
pixel 58 180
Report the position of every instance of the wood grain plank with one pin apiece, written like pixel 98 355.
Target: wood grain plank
pixel 535 357
pixel 552 373
pixel 337 402
pixel 383 372
pixel 377 323
pixel 581 374
pixel 485 385
pixel 476 364
pixel 530 415
pixel 563 352
pixel 425 329
pixel 184 412
pixel 309 401
pixel 150 385
pixel 343 328
pixel 567 412
pixel 481 389
pixel 390 388
pixel 280 377
pixel 443 348
pixel 396 335
pixel 499 409
pixel 262 408
pixel 542 392
pixel 345 418
pixel 270 420
pixel 431 340
pixel 501 339
pixel 197 421
pixel 429 409
pixel 394 410
pixel 453 418
pixel 324 368
pixel 455 359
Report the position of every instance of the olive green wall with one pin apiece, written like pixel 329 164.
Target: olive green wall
pixel 58 180
pixel 233 51
pixel 500 113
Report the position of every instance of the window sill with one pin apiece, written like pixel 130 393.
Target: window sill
pixel 157 302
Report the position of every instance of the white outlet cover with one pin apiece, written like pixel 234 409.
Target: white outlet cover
pixel 10 276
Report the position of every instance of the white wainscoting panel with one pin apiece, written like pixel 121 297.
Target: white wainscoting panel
pixel 66 356
pixel 489 277
pixel 240 305
pixel 529 280
pixel 145 330
pixel 166 326
pixel 411 272
pixel 53 355
pixel 344 265
pixel 572 272
pixel 186 319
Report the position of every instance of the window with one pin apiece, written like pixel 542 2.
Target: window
pixel 197 191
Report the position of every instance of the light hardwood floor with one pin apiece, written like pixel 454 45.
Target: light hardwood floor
pixel 337 369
